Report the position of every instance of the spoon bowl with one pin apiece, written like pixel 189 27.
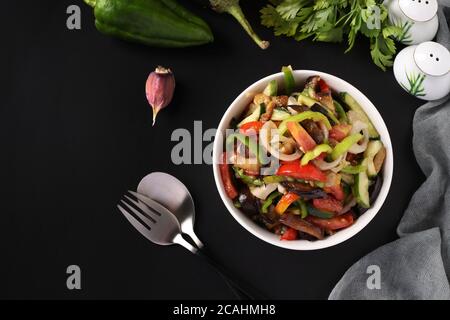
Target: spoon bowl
pixel 174 196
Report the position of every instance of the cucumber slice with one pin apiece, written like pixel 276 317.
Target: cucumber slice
pixel 373 147
pixel 279 114
pixel 303 99
pixel 253 117
pixel 271 88
pixel 353 169
pixel 354 105
pixel 361 188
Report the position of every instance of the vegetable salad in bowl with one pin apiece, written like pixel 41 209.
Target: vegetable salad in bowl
pixel 303 162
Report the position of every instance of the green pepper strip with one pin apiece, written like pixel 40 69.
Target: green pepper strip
pixel 289 81
pixel 354 169
pixel 341 112
pixel 247 179
pixel 303 208
pixel 319 213
pixel 316 116
pixel 273 179
pixel 252 145
pixel 344 145
pixel 310 155
pixel 269 201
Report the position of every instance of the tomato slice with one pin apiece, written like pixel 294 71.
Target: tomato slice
pixel 289 234
pixel 230 189
pixel 324 88
pixel 337 191
pixel 335 223
pixel 340 131
pixel 327 204
pixel 300 136
pixel 306 172
pixel 251 128
pixel 285 201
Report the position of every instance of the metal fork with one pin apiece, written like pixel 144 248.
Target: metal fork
pixel 160 226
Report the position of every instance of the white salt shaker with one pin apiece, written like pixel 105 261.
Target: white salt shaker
pixel 424 70
pixel 417 19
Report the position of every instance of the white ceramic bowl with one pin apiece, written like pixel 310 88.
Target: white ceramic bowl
pixel 337 85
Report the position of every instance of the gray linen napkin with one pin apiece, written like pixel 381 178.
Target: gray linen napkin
pixel 417 265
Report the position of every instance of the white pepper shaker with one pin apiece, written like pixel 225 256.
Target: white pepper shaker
pixel 424 70
pixel 417 18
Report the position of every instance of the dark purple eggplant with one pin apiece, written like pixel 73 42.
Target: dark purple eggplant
pixel 305 236
pixel 375 188
pixel 305 191
pixel 299 224
pixel 299 108
pixel 318 108
pixel 269 220
pixel 309 125
pixel 319 90
pixel 314 130
pixel 248 202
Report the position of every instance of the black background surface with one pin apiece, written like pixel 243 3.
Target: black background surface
pixel 75 131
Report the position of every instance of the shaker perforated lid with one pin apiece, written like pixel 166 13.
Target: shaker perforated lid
pixel 419 10
pixel 432 58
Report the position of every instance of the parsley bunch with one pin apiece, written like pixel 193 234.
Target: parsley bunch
pixel 330 20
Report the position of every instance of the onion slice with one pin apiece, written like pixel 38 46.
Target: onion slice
pixel 348 206
pixel 270 140
pixel 323 165
pixel 357 127
pixel 341 165
pixel 325 131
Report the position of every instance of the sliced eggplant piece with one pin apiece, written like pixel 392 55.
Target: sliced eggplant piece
pixel 378 160
pixel 317 89
pixel 310 126
pixel 313 130
pixel 299 224
pixel 248 202
pixel 375 188
pixel 305 191
pixel 318 108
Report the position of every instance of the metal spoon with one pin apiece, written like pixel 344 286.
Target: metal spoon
pixel 160 226
pixel 174 196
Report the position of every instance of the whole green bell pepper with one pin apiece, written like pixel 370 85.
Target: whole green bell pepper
pixel 160 23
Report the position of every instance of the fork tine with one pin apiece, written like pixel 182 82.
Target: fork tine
pixel 141 216
pixel 152 204
pixel 144 230
pixel 145 210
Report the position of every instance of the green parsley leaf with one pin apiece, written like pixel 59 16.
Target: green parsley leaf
pixel 331 20
pixel 288 9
